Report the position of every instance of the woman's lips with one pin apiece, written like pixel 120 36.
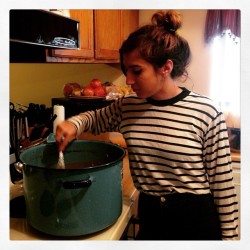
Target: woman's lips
pixel 135 90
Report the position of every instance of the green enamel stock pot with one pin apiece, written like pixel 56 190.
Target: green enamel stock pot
pixel 82 198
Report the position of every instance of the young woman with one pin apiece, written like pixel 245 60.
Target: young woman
pixel 177 140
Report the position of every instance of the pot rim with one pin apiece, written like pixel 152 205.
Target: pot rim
pixel 76 169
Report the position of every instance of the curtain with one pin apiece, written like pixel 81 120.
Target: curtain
pixel 219 20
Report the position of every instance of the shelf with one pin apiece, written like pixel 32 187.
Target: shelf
pixel 43 28
pixel 32 31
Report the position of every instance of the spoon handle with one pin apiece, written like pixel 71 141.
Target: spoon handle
pixel 61 163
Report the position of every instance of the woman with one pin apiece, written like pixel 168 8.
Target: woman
pixel 177 140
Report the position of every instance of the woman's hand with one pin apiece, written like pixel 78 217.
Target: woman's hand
pixel 65 133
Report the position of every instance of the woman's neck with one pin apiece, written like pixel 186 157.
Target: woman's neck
pixel 169 91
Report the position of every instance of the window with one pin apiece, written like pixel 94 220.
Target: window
pixel 222 32
pixel 225 71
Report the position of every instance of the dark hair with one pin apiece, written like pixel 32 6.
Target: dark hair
pixel 157 42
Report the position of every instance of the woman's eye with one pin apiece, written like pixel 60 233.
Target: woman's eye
pixel 137 72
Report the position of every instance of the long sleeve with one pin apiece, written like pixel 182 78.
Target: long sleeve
pixel 99 121
pixel 219 170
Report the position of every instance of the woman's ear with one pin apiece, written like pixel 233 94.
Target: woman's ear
pixel 167 67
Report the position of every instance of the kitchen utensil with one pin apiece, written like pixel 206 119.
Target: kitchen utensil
pixel 49 126
pixel 61 163
pixel 83 198
pixel 42 130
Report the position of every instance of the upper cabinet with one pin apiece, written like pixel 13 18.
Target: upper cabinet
pixel 107 33
pixel 101 35
pixel 33 31
pixel 86 37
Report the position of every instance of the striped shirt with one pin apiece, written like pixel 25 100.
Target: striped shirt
pixel 177 145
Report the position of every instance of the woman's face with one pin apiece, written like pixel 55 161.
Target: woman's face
pixel 145 80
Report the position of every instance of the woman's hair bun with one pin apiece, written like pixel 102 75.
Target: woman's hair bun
pixel 169 20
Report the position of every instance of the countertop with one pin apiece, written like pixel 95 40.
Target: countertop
pixel 21 230
pixel 235 155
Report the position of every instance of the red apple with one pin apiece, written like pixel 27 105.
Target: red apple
pixel 88 91
pixel 100 91
pixel 95 83
pixel 75 85
pixel 69 88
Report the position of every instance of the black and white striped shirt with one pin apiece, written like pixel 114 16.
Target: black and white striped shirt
pixel 176 145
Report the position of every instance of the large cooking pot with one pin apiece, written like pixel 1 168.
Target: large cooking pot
pixel 83 198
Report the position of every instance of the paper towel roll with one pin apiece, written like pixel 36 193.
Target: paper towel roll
pixel 60 112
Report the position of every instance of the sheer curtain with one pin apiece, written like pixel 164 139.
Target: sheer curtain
pixel 222 32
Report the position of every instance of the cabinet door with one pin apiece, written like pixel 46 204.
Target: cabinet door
pixel 86 36
pixel 130 22
pixel 107 34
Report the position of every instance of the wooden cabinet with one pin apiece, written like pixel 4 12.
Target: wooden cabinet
pixel 129 22
pixel 101 35
pixel 107 34
pixel 86 36
pixel 111 28
pixel 86 50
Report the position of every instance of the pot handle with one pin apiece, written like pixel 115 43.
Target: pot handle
pixel 76 184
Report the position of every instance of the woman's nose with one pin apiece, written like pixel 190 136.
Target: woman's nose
pixel 129 80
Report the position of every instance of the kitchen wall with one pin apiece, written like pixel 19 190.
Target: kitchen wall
pixel 39 83
pixel 193 31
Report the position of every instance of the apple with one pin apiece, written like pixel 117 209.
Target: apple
pixel 76 92
pixel 100 91
pixel 69 88
pixel 75 85
pixel 95 83
pixel 88 91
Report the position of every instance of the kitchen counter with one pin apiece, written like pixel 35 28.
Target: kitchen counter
pixel 21 230
pixel 235 155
